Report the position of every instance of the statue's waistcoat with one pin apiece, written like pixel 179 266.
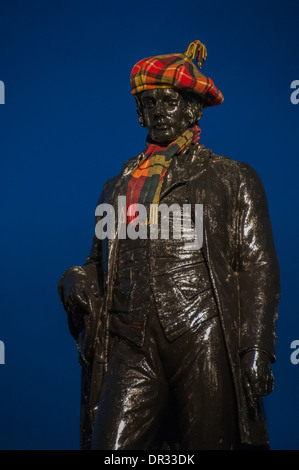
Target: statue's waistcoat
pixel 173 273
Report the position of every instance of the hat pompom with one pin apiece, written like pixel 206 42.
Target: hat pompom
pixel 197 52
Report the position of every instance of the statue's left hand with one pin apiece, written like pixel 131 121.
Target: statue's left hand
pixel 257 374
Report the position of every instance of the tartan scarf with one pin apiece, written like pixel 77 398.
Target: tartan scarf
pixel 145 184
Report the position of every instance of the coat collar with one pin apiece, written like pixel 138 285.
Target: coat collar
pixel 189 164
pixel 185 167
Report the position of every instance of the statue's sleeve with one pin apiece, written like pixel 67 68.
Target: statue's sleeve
pixel 93 268
pixel 258 268
pixel 91 272
pixel 96 265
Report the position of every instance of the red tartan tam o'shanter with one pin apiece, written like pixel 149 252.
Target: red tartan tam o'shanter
pixel 177 71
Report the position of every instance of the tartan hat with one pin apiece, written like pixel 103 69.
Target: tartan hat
pixel 178 71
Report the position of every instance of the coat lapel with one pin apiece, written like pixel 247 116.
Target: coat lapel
pixel 124 178
pixel 184 168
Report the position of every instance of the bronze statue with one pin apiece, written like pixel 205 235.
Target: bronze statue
pixel 176 343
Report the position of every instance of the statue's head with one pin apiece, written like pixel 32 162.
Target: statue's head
pixel 167 113
pixel 170 92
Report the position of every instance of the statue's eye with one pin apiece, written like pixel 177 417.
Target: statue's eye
pixel 148 104
pixel 172 103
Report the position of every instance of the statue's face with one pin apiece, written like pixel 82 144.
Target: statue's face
pixel 164 114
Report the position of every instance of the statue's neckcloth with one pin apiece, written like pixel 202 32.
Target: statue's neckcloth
pixel 145 184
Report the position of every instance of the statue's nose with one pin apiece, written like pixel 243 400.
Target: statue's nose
pixel 159 108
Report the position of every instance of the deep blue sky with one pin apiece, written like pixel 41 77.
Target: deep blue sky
pixel 69 123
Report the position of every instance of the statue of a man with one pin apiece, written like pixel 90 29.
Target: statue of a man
pixel 176 343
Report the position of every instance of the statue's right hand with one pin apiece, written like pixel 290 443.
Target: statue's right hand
pixel 75 289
